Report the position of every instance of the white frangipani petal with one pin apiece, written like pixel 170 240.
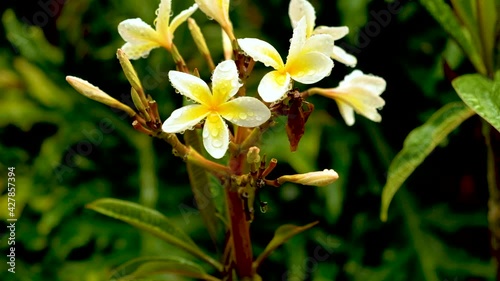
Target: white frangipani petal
pixel 215 136
pixel 184 118
pixel 298 40
pixel 319 43
pixel 261 51
pixel 342 56
pixel 346 111
pixel 182 17
pixel 139 50
pixel 337 32
pixel 163 18
pixel 225 81
pixel 245 112
pixel 190 86
pixel 310 67
pixel 299 9
pixel 274 85
pixel 371 83
pixel 136 31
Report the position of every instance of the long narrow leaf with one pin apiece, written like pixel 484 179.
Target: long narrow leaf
pixel 281 235
pixel 444 15
pixel 418 145
pixel 201 187
pixel 480 94
pixel 146 267
pixel 151 221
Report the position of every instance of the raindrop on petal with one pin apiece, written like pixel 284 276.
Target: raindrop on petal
pixel 217 143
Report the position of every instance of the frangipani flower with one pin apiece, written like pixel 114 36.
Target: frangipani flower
pixel 306 63
pixel 357 92
pixel 302 8
pixel 242 111
pixel 142 38
pixel 219 11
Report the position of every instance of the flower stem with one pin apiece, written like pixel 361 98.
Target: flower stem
pixel 492 140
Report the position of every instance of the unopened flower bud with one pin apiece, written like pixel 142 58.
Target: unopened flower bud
pixel 253 155
pixel 320 178
pixel 198 38
pixel 130 73
pixel 92 92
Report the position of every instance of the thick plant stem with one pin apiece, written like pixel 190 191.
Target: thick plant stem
pixel 240 234
pixel 239 226
pixel 492 139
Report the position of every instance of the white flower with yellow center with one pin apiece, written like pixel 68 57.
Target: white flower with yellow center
pixel 302 8
pixel 357 92
pixel 141 38
pixel 306 62
pixel 214 106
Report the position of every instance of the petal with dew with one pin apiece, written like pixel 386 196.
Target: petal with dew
pixel 163 18
pixel 245 112
pixel 215 136
pixel 371 83
pixel 346 111
pixel 261 51
pixel 137 31
pixel 298 40
pixel 319 43
pixel 363 101
pixel 190 86
pixel 310 67
pixel 337 32
pixel 185 118
pixel 139 50
pixel 342 56
pixel 274 85
pixel 182 17
pixel 302 8
pixel 225 81
pixel 216 9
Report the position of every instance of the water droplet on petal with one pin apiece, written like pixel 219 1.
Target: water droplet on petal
pixel 214 133
pixel 217 143
pixel 250 113
pixel 229 116
pixel 205 134
pixel 242 115
pixel 258 118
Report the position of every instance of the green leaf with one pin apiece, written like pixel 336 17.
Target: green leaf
pixel 488 17
pixel 281 235
pixel 444 15
pixel 151 221
pixel 480 94
pixel 41 87
pixel 30 41
pixel 201 187
pixel 420 143
pixel 146 267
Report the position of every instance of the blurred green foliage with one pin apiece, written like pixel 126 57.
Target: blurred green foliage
pixel 69 151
